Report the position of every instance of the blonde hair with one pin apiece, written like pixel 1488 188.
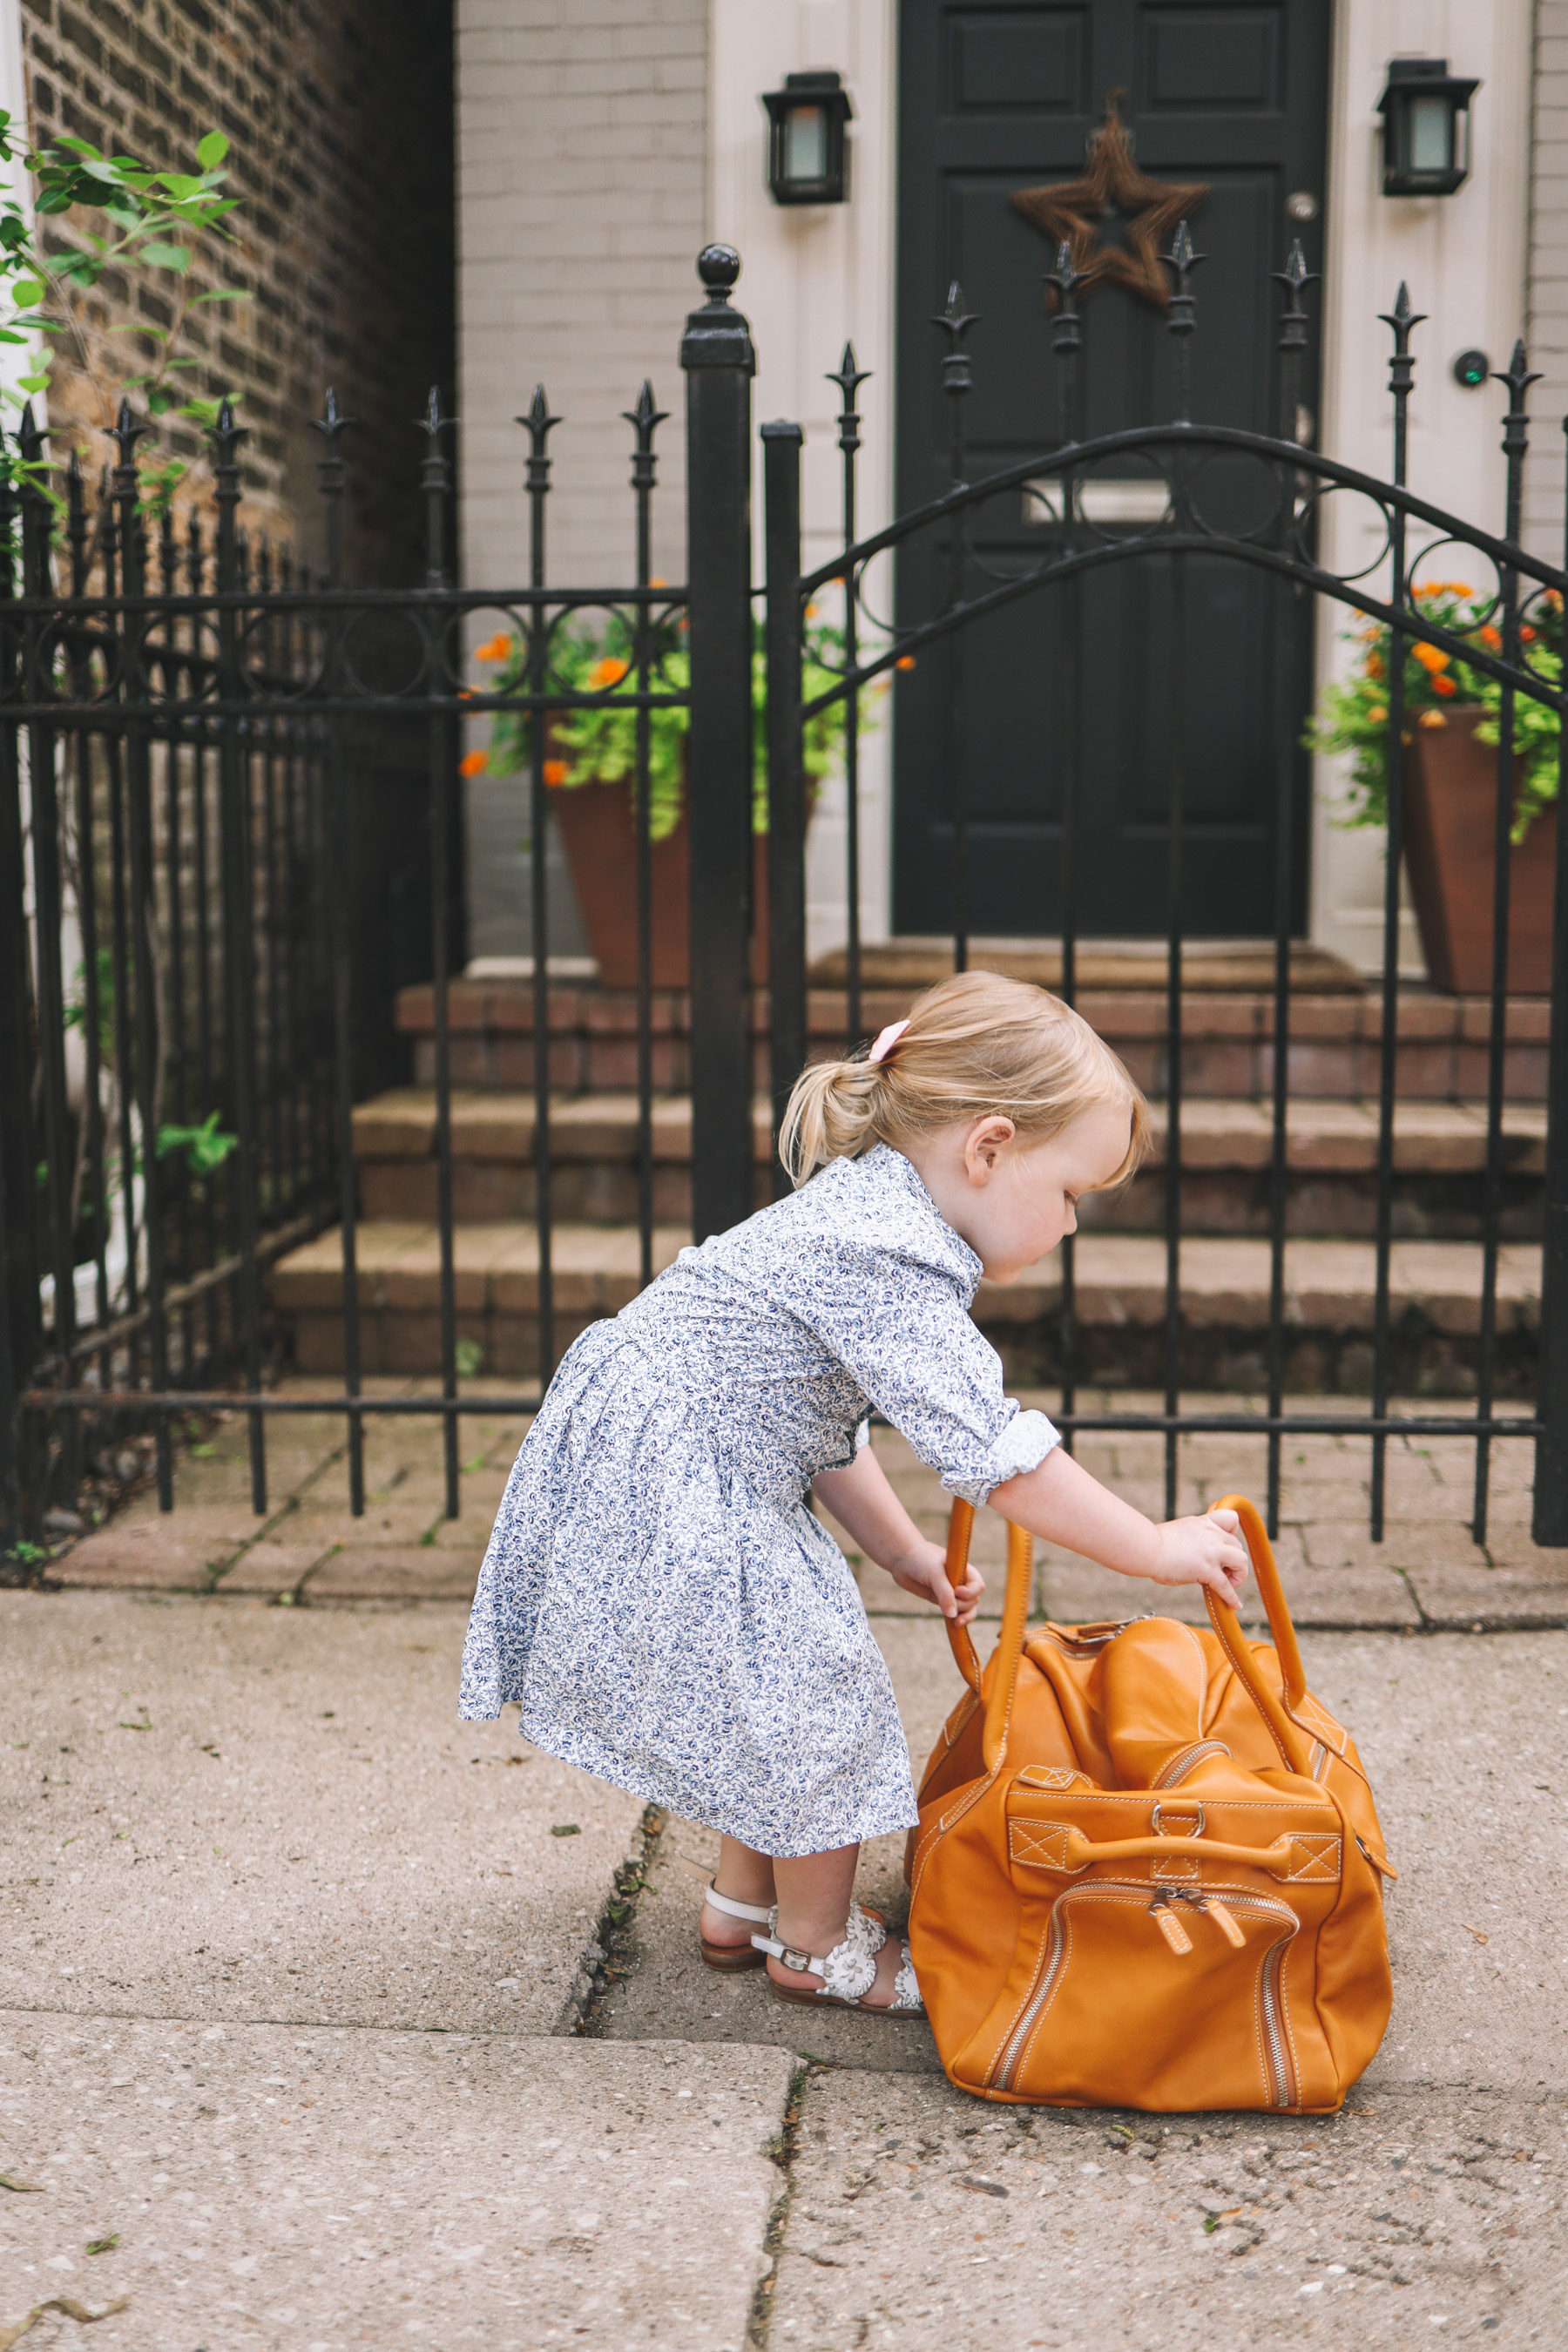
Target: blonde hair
pixel 975 1047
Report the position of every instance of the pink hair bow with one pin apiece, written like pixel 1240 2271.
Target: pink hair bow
pixel 887 1039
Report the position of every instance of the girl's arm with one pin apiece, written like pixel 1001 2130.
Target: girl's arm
pixel 871 1514
pixel 1058 1501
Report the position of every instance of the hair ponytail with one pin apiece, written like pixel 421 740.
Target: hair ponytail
pixel 975 1046
pixel 832 1115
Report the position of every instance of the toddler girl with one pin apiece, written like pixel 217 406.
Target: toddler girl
pixel 657 1592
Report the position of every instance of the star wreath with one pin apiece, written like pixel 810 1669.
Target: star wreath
pixel 1070 211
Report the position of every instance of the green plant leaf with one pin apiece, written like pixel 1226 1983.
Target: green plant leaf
pixel 211 150
pixel 167 256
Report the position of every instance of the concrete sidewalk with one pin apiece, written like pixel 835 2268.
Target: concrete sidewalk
pixel 350 2023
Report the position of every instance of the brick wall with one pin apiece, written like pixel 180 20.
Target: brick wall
pixel 582 176
pixel 1548 330
pixel 582 134
pixel 340 117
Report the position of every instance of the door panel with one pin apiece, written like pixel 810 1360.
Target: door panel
pixel 996 98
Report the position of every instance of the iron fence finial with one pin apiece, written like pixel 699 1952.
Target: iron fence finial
pixel 31 436
pixel 1182 261
pixel 848 376
pixel 719 266
pixel 1294 278
pixel 539 425
pixel 645 420
pixel 1064 281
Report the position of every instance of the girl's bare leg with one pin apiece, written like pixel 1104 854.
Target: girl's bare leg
pixel 814 1891
pixel 746 1876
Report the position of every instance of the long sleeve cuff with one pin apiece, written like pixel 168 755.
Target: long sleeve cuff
pixel 1022 1445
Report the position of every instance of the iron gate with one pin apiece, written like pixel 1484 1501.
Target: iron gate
pixel 1286 485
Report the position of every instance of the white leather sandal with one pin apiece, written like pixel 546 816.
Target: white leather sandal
pixel 848 1971
pixel 731 1958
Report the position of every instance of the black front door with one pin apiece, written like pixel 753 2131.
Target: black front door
pixel 998 97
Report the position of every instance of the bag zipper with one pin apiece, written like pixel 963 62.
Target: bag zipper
pixel 1183 1762
pixel 1276 2041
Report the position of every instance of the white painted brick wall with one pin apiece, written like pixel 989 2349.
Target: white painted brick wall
pixel 582 177
pixel 1548 281
pixel 582 147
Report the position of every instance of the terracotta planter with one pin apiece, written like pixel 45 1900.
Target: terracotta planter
pixel 1450 817
pixel 595 823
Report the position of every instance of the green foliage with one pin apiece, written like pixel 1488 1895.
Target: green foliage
pixel 76 1010
pixel 153 220
pixel 1352 713
pixel 589 746
pixel 206 1146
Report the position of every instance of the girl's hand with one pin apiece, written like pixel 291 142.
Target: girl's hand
pixel 1208 1550
pixel 923 1570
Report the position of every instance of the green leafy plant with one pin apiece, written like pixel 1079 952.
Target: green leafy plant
pixel 1352 713
pixel 587 746
pixel 206 1146
pixel 152 220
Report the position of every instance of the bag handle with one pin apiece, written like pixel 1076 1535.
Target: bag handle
pixel 1015 1618
pixel 1289 1738
pixel 1285 1857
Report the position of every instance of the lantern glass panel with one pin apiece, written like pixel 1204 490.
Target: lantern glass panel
pixel 1431 120
pixel 806 142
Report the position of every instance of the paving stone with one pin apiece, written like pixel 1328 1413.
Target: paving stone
pixel 918 2217
pixel 278 2187
pixel 303 1831
pixel 376 1572
pixel 392 1523
pixel 269 1569
pixel 167 1552
pixel 1462 1738
pixel 1344 1544
pixel 1492 1598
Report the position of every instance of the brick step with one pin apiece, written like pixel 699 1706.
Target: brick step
pixel 1226 1038
pixel 1226 1152
pixel 1121 1302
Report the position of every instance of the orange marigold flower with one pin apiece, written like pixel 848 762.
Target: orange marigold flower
pixel 496 648
pixel 473 763
pixel 905 661
pixel 556 772
pixel 1431 719
pixel 1431 657
pixel 1489 637
pixel 1554 598
pixel 1443 685
pixel 1374 666
pixel 1378 713
pixel 608 672
pixel 1527 636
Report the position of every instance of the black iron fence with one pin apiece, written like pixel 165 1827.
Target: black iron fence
pixel 183 724
pixel 1248 499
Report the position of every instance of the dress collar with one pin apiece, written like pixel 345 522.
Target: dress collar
pixel 903 1173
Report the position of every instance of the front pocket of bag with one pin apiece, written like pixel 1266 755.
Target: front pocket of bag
pixel 1118 2014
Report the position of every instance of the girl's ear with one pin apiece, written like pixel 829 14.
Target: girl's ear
pixel 983 1146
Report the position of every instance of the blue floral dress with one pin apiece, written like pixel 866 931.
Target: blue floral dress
pixel 658 1593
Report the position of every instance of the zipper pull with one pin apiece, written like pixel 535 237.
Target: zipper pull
pixel 1163 1912
pixel 1226 1921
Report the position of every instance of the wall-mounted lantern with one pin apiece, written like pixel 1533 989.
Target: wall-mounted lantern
pixel 807 159
pixel 1425 113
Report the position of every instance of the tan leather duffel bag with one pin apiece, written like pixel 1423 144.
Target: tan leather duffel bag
pixel 1148 1870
